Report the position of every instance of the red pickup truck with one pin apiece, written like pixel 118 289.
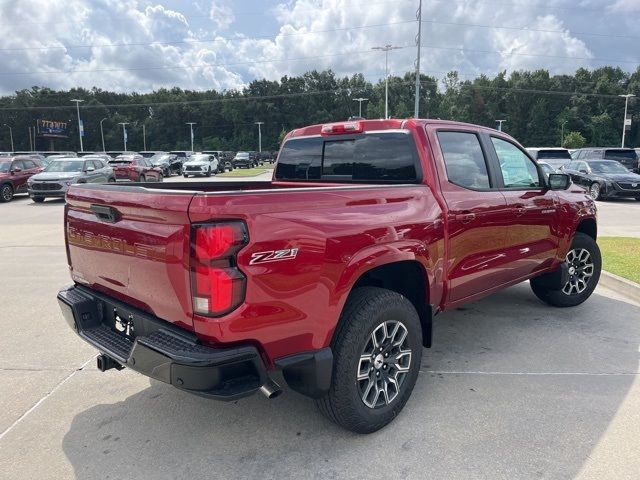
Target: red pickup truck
pixel 332 272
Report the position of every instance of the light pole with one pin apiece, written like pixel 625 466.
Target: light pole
pixel 416 109
pixel 102 134
pixel 191 124
pixel 80 129
pixel 259 135
pixel 562 124
pixel 386 50
pixel 30 141
pixel 360 100
pixel 624 123
pixel 500 122
pixel 144 137
pixel 124 133
pixel 10 135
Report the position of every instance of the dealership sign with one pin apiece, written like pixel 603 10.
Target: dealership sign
pixel 48 128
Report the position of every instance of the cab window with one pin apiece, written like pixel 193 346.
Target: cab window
pixel 464 160
pixel 518 170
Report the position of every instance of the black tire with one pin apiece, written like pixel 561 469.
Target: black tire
pixel 185 175
pixel 38 199
pixel 560 298
pixel 111 180
pixel 160 178
pixel 6 193
pixel 142 178
pixel 367 309
pixel 208 174
pixel 595 191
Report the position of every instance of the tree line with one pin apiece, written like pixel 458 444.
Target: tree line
pixel 537 108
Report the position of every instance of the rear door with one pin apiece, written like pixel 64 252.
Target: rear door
pixel 532 236
pixel 477 214
pixel 132 243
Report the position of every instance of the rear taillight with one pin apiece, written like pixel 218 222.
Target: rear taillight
pixel 217 285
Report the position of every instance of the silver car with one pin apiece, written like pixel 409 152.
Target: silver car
pixel 201 164
pixel 55 179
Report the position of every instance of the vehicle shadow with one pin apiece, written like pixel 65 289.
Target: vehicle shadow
pixel 512 389
pixel 50 202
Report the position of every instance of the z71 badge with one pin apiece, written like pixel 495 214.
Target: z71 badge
pixel 273 256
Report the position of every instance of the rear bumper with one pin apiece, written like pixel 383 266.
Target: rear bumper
pixel 160 350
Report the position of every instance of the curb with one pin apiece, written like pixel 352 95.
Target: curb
pixel 621 285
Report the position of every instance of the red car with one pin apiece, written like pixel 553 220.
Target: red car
pixel 332 272
pixel 135 168
pixel 14 173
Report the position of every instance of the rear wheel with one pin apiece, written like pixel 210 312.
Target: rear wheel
pixel 38 199
pixel 142 178
pixel 584 263
pixel 377 350
pixel 185 175
pixel 6 193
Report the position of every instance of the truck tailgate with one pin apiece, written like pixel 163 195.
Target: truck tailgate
pixel 133 245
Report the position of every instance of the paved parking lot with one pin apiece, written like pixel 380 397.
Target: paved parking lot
pixel 512 389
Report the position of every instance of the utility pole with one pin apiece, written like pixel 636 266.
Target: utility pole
pixel 30 141
pixel 144 137
pixel 259 135
pixel 386 50
pixel 102 134
pixel 500 122
pixel 624 123
pixel 564 122
pixel 360 100
pixel 34 139
pixel 10 135
pixel 124 133
pixel 191 124
pixel 416 113
pixel 80 127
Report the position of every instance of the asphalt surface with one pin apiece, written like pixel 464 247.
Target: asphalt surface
pixel 511 389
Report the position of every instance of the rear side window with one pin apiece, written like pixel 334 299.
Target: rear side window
pixel 626 157
pixel 373 157
pixel 547 154
pixel 464 159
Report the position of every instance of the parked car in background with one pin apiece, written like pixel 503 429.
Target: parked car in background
pixel 243 160
pixel 55 179
pixel 555 157
pixel 150 153
pixel 604 179
pixel 85 153
pixel 14 174
pixel 547 169
pixel 169 163
pixel 201 164
pixel 626 156
pixel 182 154
pixel 136 168
pixel 225 162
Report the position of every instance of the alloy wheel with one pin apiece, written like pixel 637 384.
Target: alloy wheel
pixel 594 191
pixel 7 193
pixel 581 269
pixel 384 364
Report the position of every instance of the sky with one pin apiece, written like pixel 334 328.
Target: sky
pixel 142 45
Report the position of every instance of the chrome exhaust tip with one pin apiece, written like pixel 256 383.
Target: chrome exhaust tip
pixel 271 389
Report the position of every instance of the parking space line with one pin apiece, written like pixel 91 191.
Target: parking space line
pixel 39 402
pixel 539 374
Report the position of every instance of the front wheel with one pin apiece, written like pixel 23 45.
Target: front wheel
pixel 377 349
pixel 584 263
pixel 142 178
pixel 6 193
pixel 160 178
pixel 595 191
pixel 38 199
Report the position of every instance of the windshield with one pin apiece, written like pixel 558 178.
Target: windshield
pixel 199 158
pixel 157 158
pixel 607 167
pixel 66 166
pixel 545 154
pixel 4 166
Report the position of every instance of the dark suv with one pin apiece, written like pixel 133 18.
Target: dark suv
pixel 626 156
pixel 14 173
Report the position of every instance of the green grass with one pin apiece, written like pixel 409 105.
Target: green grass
pixel 244 172
pixel 621 256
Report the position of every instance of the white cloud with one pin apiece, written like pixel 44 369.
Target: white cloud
pixel 222 15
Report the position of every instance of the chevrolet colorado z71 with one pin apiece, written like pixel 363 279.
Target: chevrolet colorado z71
pixel 332 272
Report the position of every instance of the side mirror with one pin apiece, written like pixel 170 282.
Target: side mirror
pixel 90 169
pixel 559 181
pixel 582 170
pixel 16 170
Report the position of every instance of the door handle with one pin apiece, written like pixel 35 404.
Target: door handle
pixel 465 217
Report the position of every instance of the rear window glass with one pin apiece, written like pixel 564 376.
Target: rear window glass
pixel 373 157
pixel 620 155
pixel 546 154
